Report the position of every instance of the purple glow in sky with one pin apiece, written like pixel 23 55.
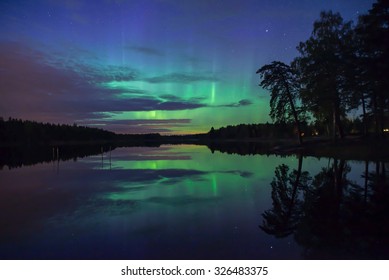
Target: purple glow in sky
pixel 149 66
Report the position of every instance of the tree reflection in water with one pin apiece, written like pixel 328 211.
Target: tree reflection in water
pixel 283 218
pixel 330 216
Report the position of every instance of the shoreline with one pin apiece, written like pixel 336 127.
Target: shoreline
pixel 352 147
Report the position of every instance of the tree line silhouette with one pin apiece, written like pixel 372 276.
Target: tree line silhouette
pixel 18 131
pixel 342 67
pixel 279 130
pixel 24 132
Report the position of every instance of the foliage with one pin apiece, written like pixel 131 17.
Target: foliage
pixel 29 132
pixel 281 81
pixel 242 131
pixel 322 67
pixel 340 68
pixel 372 38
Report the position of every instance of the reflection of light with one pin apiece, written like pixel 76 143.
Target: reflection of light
pixel 214 185
pixel 386 129
pixel 302 134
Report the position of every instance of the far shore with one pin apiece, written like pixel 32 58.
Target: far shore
pixel 352 147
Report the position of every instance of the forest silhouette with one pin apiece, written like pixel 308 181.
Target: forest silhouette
pixel 341 68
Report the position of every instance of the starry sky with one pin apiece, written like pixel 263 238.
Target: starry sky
pixel 149 66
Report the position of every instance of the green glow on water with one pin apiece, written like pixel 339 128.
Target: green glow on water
pixel 214 185
pixel 203 174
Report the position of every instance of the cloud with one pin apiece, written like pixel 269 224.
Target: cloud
pixel 34 83
pixel 244 102
pixel 244 174
pixel 181 78
pixel 182 105
pixel 125 93
pixel 170 97
pixel 102 74
pixel 241 103
pixel 175 98
pixel 141 126
pixel 194 59
pixel 139 104
pixel 146 50
pixel 147 121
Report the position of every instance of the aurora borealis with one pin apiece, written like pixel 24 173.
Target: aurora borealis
pixel 172 67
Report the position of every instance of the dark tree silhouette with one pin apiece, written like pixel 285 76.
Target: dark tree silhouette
pixel 280 79
pixel 321 67
pixel 373 56
pixel 341 219
pixel 331 217
pixel 17 131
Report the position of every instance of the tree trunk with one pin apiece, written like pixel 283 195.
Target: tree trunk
pixel 365 131
pixel 294 113
pixel 366 179
pixel 334 124
pixel 337 125
pixel 337 187
pixel 375 113
pixel 381 116
pixel 296 121
pixel 295 186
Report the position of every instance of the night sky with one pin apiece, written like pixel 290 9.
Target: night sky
pixel 138 66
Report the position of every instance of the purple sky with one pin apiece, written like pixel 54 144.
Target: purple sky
pixel 149 66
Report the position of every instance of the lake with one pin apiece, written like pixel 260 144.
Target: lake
pixel 188 202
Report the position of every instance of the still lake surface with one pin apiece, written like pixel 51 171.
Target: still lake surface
pixel 185 202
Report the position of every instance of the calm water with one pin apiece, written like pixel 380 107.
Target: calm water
pixel 184 202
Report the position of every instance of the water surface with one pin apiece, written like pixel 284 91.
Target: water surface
pixel 185 202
